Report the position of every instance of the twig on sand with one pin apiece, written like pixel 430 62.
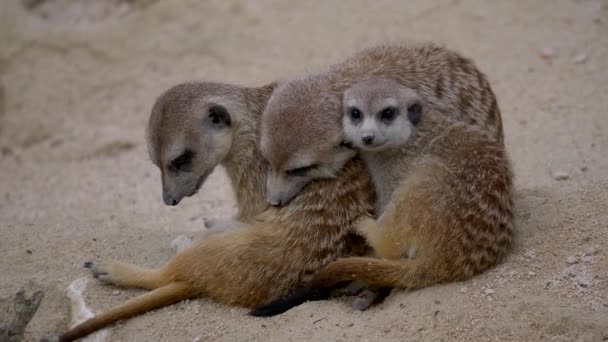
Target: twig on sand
pixel 25 308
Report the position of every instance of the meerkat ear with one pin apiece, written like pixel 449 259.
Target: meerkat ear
pixel 219 116
pixel 414 113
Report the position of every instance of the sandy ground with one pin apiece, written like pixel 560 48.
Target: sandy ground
pixel 75 181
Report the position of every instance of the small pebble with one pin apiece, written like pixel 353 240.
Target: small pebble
pixel 587 259
pixel 547 53
pixel 592 251
pixel 197 339
pixel 115 293
pixel 572 260
pixel 580 58
pixel 532 274
pixel 464 290
pixel 488 292
pixel 560 175
pixel 582 282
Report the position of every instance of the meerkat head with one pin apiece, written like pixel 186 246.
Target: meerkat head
pixel 190 132
pixel 301 138
pixel 380 114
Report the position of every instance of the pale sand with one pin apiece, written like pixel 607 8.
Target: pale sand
pixel 76 183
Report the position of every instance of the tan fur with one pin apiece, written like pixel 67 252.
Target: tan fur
pixel 449 214
pixel 302 121
pixel 281 248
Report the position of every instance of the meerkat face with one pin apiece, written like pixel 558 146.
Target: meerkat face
pixel 190 132
pixel 301 138
pixel 380 114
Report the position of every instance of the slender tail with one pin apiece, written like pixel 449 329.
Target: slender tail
pixel 400 273
pixel 162 296
pixel 379 273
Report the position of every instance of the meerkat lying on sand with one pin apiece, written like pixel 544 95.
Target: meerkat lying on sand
pixel 193 128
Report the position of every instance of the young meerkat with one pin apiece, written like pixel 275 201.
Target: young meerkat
pixel 193 128
pixel 444 195
pixel 301 125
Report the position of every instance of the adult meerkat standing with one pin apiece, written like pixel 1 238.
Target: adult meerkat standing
pixel 301 125
pixel 444 195
pixel 193 128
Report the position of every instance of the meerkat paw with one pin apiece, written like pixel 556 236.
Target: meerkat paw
pixel 102 271
pixel 364 300
pixel 180 243
pixel 368 297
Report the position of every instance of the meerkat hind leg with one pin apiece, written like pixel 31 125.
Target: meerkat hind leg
pixel 126 275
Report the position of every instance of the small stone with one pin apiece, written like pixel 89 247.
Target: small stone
pixel 532 274
pixel 512 274
pixel 199 338
pixel 584 169
pixel 592 251
pixel 547 53
pixel 115 293
pixel 464 290
pixel 530 254
pixel 488 292
pixel 28 251
pixel 587 259
pixel 560 175
pixel 572 260
pixel 580 58
pixel 583 282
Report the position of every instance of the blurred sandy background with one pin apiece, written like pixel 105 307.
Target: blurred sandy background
pixel 78 79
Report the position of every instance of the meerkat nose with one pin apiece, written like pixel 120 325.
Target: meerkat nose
pixel 368 139
pixel 169 200
pixel 275 202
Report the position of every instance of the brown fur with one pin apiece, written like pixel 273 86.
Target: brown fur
pixel 245 267
pixel 303 117
pixel 449 218
pixel 452 213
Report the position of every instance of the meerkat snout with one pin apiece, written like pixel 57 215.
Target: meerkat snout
pixel 368 139
pixel 169 200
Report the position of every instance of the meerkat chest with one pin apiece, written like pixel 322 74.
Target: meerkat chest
pixel 386 175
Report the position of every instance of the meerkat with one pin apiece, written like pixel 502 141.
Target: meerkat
pixel 301 124
pixel 444 195
pixel 193 128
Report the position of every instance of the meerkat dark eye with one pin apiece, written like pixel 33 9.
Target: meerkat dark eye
pixel 300 171
pixel 355 114
pixel 182 162
pixel 219 116
pixel 414 113
pixel 388 113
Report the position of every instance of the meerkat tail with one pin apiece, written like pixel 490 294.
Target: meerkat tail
pixel 400 273
pixel 163 296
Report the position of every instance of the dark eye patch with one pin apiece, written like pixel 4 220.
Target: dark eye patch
pixel 219 116
pixel 300 171
pixel 388 114
pixel 355 114
pixel 414 113
pixel 183 162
